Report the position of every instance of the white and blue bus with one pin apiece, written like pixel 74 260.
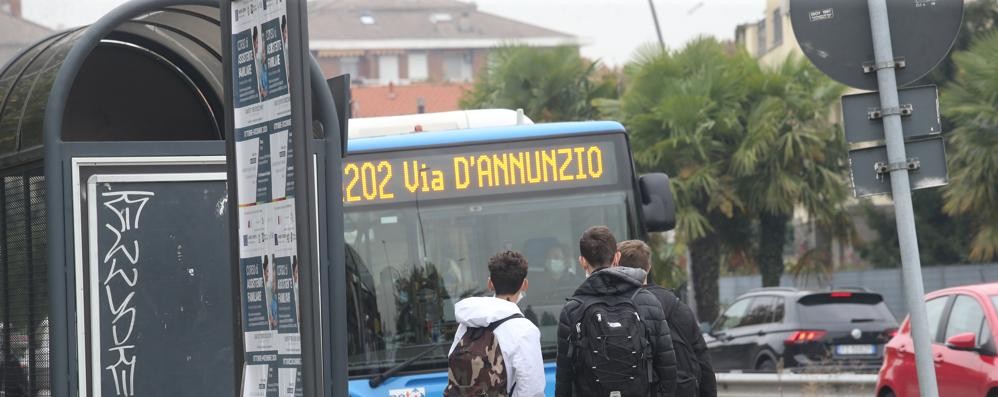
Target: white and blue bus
pixel 424 212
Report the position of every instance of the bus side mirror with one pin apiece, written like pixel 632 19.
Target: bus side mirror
pixel 657 204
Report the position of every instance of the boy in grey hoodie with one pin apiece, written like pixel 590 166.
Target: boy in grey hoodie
pixel 519 339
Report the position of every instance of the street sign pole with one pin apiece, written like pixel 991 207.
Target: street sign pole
pixel 905 217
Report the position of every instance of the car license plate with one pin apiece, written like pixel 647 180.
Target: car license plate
pixel 855 350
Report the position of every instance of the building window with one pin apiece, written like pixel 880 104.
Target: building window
pixel 457 66
pixel 418 70
pixel 388 69
pixel 351 66
pixel 761 35
pixel 367 19
pixel 777 27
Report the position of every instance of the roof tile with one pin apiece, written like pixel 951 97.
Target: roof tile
pixel 409 19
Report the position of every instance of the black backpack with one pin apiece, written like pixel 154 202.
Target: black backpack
pixel 611 349
pixel 687 364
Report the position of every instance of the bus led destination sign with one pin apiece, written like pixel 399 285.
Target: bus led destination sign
pixel 539 166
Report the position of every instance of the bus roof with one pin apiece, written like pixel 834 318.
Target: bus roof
pixel 481 135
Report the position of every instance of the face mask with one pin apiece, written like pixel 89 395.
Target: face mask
pixel 350 237
pixel 519 297
pixel 556 265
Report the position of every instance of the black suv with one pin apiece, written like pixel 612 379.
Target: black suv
pixel 811 330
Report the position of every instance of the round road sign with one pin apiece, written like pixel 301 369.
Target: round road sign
pixel 835 36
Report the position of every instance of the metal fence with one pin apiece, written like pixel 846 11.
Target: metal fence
pixel 24 347
pixel 886 282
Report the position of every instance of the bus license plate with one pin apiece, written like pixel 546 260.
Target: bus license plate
pixel 855 350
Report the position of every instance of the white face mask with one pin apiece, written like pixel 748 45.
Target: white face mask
pixel 350 236
pixel 519 297
pixel 556 265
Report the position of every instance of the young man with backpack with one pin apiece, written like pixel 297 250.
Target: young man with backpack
pixel 613 340
pixel 695 373
pixel 496 351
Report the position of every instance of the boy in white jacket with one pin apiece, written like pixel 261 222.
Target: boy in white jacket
pixel 518 338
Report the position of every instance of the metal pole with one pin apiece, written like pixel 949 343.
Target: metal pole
pixel 658 29
pixel 905 217
pixel 332 273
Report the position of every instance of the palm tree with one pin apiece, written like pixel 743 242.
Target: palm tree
pixel 792 155
pixel 685 113
pixel 549 84
pixel 970 103
pixel 980 17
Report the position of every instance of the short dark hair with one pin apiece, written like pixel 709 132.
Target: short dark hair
pixel 507 269
pixel 598 246
pixel 635 253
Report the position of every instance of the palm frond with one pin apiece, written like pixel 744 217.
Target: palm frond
pixel 971 103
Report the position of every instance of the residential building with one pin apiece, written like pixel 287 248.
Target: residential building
pixel 414 41
pixel 770 39
pixel 395 100
pixel 16 32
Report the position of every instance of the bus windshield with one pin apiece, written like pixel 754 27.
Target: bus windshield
pixel 409 266
pixel 412 256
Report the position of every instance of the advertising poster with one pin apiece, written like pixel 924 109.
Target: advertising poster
pixel 268 255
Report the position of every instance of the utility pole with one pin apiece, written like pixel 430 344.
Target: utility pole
pixel 658 29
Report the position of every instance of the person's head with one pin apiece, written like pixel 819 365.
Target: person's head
pixel 273 276
pixel 284 27
pixel 554 259
pixel 636 254
pixel 256 38
pixel 598 248
pixel 266 268
pixel 508 274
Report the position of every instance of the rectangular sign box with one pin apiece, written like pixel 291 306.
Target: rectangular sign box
pixel 932 172
pixel 506 168
pixel 924 118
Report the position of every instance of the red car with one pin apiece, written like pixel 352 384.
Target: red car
pixel 963 325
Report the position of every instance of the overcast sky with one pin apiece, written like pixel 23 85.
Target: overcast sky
pixel 613 29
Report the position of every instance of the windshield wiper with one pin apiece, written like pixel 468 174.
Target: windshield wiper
pixel 378 380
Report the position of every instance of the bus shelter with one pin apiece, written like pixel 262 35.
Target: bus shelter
pixel 115 275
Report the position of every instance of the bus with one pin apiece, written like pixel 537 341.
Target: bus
pixel 424 211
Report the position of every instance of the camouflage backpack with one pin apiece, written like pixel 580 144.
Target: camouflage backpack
pixel 475 366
